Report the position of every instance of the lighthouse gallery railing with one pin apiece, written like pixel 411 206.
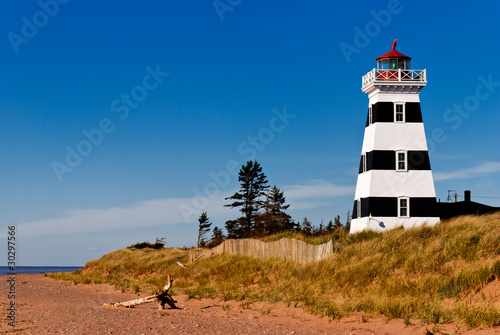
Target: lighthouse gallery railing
pixel 393 75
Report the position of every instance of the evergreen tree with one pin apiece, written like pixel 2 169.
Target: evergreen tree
pixel 253 186
pixel 306 227
pixel 233 228
pixel 348 221
pixel 203 228
pixel 337 224
pixel 217 237
pixel 294 226
pixel 274 219
pixel 320 229
pixel 330 227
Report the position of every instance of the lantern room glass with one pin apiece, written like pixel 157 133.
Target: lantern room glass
pixel 393 64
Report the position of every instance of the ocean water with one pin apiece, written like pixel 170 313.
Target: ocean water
pixel 4 270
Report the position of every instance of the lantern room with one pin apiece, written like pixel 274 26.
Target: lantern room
pixel 393 60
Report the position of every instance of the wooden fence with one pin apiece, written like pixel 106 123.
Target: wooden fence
pixel 286 248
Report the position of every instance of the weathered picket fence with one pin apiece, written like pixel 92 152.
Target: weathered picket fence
pixel 285 248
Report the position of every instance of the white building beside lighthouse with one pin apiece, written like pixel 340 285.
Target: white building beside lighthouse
pixel 395 185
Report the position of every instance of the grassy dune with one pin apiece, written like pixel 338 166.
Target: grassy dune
pixel 433 274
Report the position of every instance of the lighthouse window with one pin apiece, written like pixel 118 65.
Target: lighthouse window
pixel 400 113
pixel 370 115
pixel 359 208
pixel 400 160
pixel 363 158
pixel 404 207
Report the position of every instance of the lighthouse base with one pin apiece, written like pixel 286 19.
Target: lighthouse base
pixel 381 224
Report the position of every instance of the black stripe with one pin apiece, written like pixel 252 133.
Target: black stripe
pixel 381 160
pixel 384 112
pixel 418 160
pixel 388 206
pixel 386 160
pixel 379 206
pixel 423 207
pixel 413 112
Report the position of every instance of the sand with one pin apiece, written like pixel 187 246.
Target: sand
pixel 48 306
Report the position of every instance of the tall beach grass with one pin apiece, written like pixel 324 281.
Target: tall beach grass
pixel 432 274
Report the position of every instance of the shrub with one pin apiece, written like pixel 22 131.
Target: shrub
pixel 144 245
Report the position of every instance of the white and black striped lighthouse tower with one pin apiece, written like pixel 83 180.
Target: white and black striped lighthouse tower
pixel 395 185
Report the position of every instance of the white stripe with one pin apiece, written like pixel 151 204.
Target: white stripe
pixel 385 183
pixel 386 223
pixel 394 136
pixel 389 94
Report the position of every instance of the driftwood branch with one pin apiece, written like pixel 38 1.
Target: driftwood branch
pixel 162 297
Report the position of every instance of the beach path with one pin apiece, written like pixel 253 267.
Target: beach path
pixel 48 306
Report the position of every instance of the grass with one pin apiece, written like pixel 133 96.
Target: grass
pixel 426 273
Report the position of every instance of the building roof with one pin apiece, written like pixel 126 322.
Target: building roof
pixel 393 53
pixel 447 210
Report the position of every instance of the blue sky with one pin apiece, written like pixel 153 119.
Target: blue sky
pixel 178 94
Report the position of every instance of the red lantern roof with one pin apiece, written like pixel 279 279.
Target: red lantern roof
pixel 393 53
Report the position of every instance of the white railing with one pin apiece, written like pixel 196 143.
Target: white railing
pixel 393 75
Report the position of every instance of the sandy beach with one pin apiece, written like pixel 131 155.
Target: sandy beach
pixel 48 306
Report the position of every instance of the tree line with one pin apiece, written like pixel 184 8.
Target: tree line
pixel 263 212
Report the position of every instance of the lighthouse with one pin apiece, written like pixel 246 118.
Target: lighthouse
pixel 395 185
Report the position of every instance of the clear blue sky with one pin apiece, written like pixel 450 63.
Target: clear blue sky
pixel 181 91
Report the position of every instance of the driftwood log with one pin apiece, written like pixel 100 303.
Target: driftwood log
pixel 161 296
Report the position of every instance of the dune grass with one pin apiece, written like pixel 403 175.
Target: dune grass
pixel 427 273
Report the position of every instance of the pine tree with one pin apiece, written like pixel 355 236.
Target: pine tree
pixel 274 219
pixel 306 227
pixel 321 229
pixel 233 228
pixel 203 228
pixel 348 221
pixel 253 186
pixel 337 224
pixel 217 237
pixel 330 227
